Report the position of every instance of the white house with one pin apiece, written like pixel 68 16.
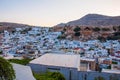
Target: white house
pixel 68 65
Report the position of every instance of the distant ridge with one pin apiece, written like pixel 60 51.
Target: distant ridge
pixel 10 24
pixel 94 20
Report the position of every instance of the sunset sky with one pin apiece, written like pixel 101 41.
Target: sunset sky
pixel 52 12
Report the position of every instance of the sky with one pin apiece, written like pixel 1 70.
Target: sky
pixel 52 12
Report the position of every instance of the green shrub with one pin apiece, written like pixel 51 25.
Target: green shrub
pixel 1 52
pixel 96 29
pixel 99 78
pixel 105 29
pixel 6 70
pixel 49 76
pixel 77 33
pixel 114 62
pixel 77 29
pixel 61 37
pixel 22 61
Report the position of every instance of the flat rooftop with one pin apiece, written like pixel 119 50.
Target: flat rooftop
pixel 63 60
pixel 111 71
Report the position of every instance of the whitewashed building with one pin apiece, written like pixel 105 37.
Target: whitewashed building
pixel 68 65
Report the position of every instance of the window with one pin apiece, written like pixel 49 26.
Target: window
pixel 53 69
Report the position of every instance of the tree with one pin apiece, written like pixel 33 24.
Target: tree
pixel 118 28
pixel 61 37
pixel 64 29
pixel 114 28
pixel 77 34
pixel 1 52
pixel 6 70
pixel 96 29
pixel 116 33
pixel 77 29
pixel 98 68
pixel 115 36
pixel 29 29
pixel 105 29
pixel 102 39
pixel 99 78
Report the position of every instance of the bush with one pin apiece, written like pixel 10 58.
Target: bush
pixel 114 62
pixel 114 28
pixel 91 49
pixel 57 76
pixel 102 39
pixel 77 29
pixel 61 37
pixel 116 33
pixel 99 78
pixel 6 70
pixel 118 28
pixel 22 61
pixel 109 67
pixel 77 34
pixel 49 76
pixel 96 29
pixel 105 29
pixel 1 52
pixel 113 37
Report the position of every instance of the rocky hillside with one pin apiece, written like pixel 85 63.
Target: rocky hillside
pixel 10 26
pixel 94 20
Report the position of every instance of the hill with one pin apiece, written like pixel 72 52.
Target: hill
pixel 94 20
pixel 10 26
